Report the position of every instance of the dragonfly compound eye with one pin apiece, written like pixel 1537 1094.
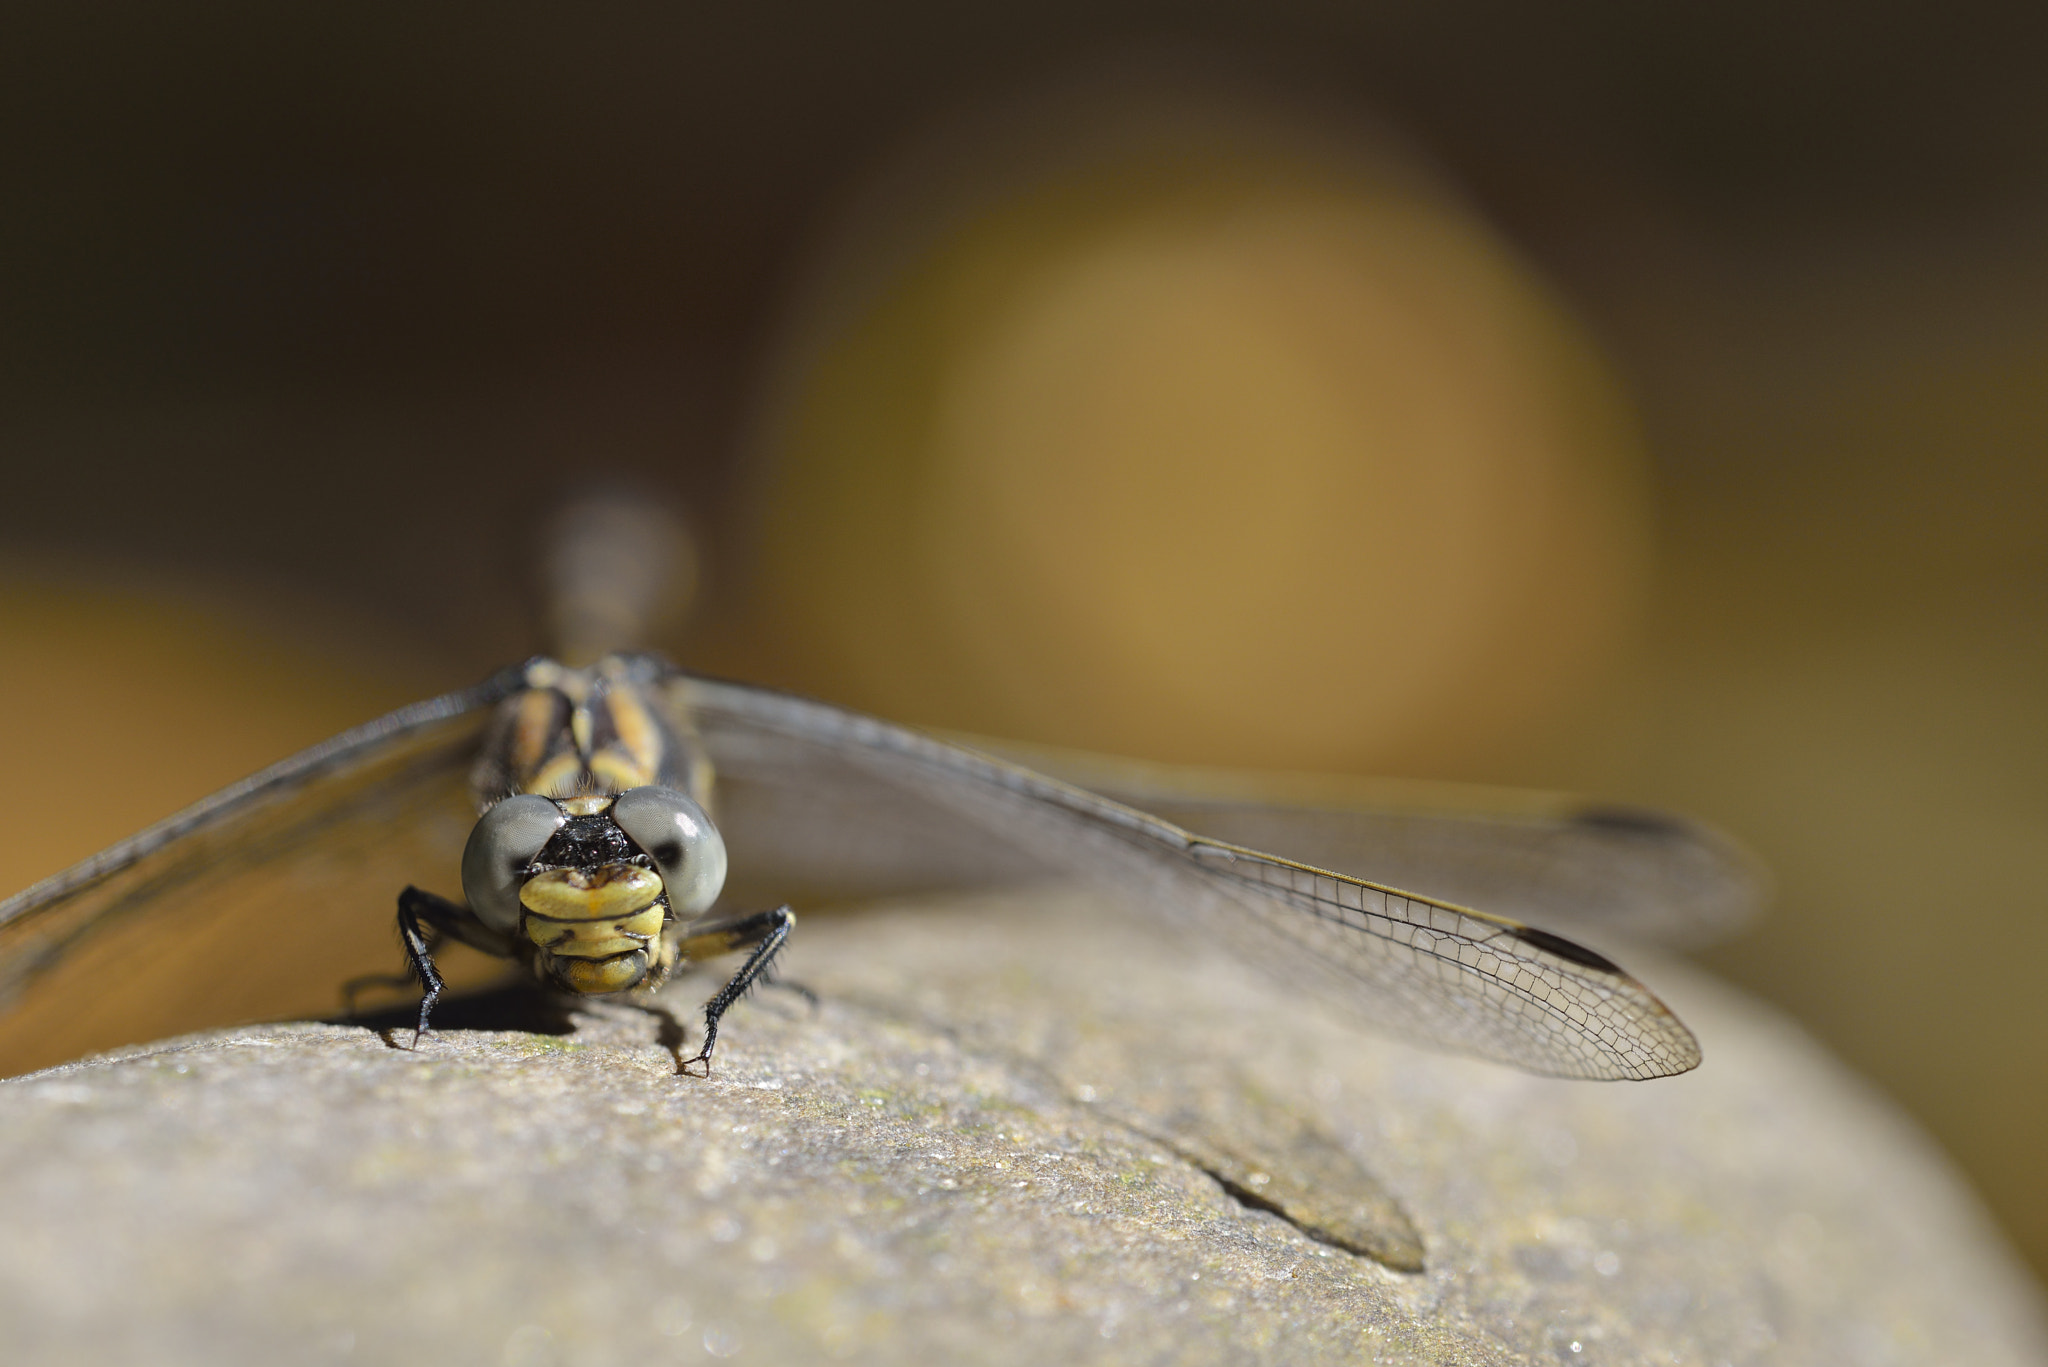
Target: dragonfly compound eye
pixel 675 833
pixel 506 840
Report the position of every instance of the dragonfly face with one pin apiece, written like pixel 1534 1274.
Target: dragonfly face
pixel 585 887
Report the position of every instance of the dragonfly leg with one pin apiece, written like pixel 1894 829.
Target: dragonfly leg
pixel 767 932
pixel 441 916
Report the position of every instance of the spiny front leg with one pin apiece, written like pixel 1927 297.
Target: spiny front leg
pixel 442 917
pixel 767 932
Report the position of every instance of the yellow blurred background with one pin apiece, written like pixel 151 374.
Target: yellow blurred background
pixel 1570 402
pixel 1197 432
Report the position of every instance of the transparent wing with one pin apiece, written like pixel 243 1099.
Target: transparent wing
pixel 254 903
pixel 1556 859
pixel 1428 969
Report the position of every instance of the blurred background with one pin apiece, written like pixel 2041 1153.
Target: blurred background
pixel 1650 401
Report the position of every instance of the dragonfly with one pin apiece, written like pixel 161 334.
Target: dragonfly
pixel 611 821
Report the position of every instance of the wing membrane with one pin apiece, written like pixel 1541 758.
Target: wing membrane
pixel 1551 858
pixel 1421 967
pixel 812 822
pixel 253 903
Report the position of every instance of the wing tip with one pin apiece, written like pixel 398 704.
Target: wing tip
pixel 1685 1063
pixel 1678 1059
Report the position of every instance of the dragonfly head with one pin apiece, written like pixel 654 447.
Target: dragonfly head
pixel 590 882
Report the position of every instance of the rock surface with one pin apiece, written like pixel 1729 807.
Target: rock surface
pixel 1020 1130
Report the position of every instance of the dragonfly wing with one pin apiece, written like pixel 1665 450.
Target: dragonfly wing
pixel 1555 859
pixel 1421 967
pixel 254 903
pixel 808 819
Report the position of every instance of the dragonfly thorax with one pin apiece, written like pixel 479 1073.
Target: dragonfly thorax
pixel 571 733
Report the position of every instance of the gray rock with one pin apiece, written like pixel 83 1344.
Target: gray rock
pixel 1019 1130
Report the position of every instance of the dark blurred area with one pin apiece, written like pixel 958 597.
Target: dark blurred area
pixel 307 314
